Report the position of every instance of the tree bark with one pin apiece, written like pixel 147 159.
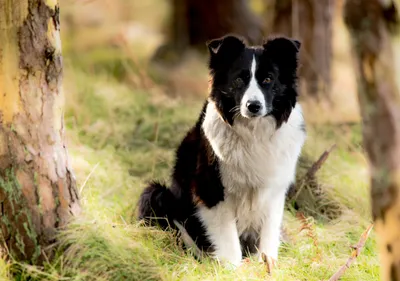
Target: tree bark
pixel 193 22
pixel 311 22
pixel 373 33
pixel 37 188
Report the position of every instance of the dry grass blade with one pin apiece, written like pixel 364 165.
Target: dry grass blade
pixel 285 236
pixel 309 226
pixel 356 252
pixel 188 241
pixel 88 177
pixel 145 80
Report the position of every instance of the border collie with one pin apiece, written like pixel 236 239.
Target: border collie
pixel 235 165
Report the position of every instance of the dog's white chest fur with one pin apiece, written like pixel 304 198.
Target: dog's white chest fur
pixel 257 162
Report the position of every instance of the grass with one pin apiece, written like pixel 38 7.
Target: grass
pixel 122 132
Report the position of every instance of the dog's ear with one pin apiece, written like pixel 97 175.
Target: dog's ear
pixel 224 50
pixel 284 52
pixel 221 45
pixel 297 43
pixel 282 45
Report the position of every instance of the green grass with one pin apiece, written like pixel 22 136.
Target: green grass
pixel 121 137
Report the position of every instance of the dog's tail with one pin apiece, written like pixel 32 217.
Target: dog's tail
pixel 157 206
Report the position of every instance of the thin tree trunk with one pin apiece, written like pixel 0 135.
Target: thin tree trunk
pixel 194 22
pixel 373 41
pixel 311 22
pixel 37 188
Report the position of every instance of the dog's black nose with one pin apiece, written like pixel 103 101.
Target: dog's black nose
pixel 253 106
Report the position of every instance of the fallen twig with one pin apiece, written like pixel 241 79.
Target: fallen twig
pixel 318 164
pixel 356 252
pixel 294 193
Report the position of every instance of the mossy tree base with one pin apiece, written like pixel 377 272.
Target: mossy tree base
pixel 37 189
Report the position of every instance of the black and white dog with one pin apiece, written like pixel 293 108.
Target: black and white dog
pixel 235 165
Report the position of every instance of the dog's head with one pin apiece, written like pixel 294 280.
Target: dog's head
pixel 253 82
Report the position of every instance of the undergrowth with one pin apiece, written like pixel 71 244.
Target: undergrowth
pixel 119 138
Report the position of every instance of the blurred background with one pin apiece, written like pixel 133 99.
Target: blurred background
pixel 135 78
pixel 132 39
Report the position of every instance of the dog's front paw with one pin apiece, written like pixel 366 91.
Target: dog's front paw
pixel 231 261
pixel 229 265
pixel 269 261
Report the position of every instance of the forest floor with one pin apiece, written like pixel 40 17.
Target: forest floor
pixel 124 119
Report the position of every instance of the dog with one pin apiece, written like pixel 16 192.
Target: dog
pixel 234 167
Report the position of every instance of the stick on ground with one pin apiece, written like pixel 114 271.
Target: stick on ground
pixel 356 252
pixel 294 193
pixel 318 164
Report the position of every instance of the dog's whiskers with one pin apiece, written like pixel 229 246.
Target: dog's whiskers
pixel 236 115
pixel 221 91
pixel 235 108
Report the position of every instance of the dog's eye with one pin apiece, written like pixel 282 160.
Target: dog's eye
pixel 267 80
pixel 238 82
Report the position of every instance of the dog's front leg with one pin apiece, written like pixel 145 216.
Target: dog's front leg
pixel 220 224
pixel 271 229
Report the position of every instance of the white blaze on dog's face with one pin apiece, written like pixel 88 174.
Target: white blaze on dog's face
pixel 253 82
pixel 253 103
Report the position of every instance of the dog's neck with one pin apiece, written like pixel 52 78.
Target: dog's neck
pixel 244 130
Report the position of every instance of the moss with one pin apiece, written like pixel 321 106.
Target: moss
pixel 20 214
pixel 10 186
pixel 13 129
pixel 19 243
pixel 31 233
pixel 36 185
pixel 6 222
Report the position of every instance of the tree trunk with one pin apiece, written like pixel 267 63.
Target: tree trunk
pixel 37 188
pixel 311 22
pixel 194 22
pixel 373 41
